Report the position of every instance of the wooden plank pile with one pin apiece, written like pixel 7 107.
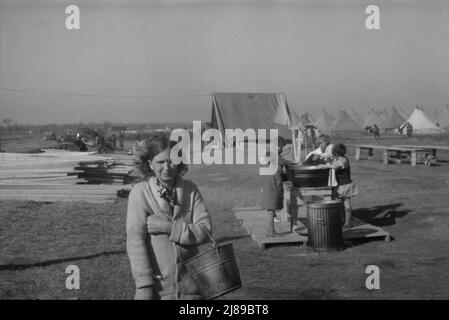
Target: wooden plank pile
pixel 58 192
pixel 46 176
pixel 103 172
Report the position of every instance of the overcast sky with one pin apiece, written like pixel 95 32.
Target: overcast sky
pixel 159 60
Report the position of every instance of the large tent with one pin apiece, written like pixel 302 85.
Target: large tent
pixel 357 117
pixel 435 115
pixel 392 120
pixel 444 118
pixel 308 118
pixel 343 123
pixel 248 111
pixel 371 119
pixel 324 121
pixel 421 123
pixel 404 112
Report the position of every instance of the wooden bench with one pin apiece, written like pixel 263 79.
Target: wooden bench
pixel 432 149
pixel 411 152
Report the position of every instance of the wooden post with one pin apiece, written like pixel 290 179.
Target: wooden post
pixel 357 153
pixel 294 145
pixel 413 157
pixel 385 156
pixel 305 143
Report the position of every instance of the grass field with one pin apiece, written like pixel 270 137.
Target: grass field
pixel 39 240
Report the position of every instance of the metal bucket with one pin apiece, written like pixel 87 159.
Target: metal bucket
pixel 324 226
pixel 308 177
pixel 215 271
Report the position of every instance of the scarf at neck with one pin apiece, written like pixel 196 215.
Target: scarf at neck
pixel 166 193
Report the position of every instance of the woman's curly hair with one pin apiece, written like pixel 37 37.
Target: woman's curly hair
pixel 152 147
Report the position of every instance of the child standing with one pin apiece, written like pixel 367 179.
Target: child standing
pixel 345 188
pixel 273 191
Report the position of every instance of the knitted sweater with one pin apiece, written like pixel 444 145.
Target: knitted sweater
pixel 156 260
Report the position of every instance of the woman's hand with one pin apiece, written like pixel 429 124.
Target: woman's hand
pixel 157 225
pixel 145 293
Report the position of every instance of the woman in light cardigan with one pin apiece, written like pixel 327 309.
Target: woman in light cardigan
pixel 166 222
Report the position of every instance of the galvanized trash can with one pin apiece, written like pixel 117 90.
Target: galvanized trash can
pixel 324 226
pixel 215 270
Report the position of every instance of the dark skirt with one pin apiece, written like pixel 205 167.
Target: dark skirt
pixel 272 195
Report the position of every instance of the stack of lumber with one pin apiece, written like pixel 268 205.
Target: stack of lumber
pixel 104 171
pixel 58 192
pixel 45 177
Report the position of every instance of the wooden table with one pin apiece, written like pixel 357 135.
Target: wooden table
pixel 432 149
pixel 411 151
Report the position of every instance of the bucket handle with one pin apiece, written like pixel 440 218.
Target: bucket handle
pixel 214 244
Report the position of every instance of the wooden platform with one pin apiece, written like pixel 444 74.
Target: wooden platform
pixel 254 221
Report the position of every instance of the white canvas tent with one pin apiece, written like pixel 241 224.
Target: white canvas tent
pixel 344 124
pixel 404 112
pixel 307 116
pixel 444 118
pixel 324 121
pixel 435 116
pixel 371 119
pixel 231 110
pixel 421 123
pixel 357 117
pixel 392 120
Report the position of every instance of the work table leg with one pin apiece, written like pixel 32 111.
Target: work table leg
pixel 385 157
pixel 357 154
pixel 413 157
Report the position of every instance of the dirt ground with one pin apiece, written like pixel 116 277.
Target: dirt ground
pixel 39 240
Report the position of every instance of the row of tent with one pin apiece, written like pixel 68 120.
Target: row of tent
pixel 270 110
pixel 386 120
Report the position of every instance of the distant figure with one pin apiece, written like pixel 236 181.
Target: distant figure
pixel 430 159
pixel 101 144
pixel 409 129
pixel 114 141
pixel 313 132
pixel 376 132
pixel 140 142
pixel 121 141
pixel 79 142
